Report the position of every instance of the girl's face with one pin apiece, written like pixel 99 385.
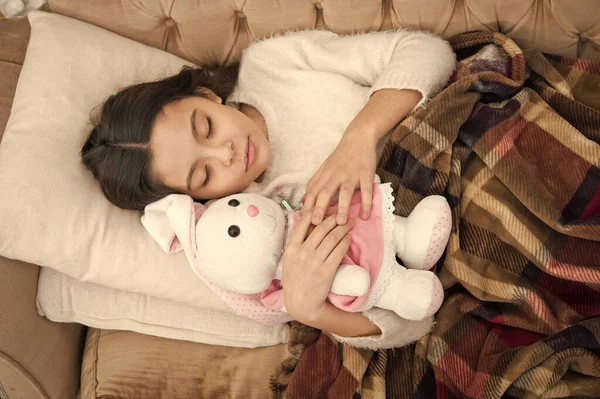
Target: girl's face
pixel 205 149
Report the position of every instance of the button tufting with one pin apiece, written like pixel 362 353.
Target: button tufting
pixel 169 23
pixel 240 14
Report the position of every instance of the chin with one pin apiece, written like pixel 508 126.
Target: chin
pixel 260 177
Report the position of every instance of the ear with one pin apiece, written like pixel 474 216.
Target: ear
pixel 171 222
pixel 208 93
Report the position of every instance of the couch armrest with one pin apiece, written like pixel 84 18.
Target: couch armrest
pixel 14 36
pixel 38 358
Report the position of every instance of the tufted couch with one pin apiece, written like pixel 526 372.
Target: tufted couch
pixel 41 359
pixel 216 31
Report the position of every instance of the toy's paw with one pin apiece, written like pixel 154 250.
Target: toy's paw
pixel 422 297
pixel 439 234
pixel 12 8
pixel 351 280
pixel 437 297
pixel 428 232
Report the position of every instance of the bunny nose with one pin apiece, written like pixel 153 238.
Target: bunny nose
pixel 252 211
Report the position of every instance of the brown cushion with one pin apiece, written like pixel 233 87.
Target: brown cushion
pixel 123 364
pixel 36 355
pixel 14 36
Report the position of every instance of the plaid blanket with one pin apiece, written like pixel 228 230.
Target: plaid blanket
pixel 513 142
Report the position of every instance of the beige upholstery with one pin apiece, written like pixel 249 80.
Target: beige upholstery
pixel 209 31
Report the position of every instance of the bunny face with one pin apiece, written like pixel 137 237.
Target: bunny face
pixel 239 240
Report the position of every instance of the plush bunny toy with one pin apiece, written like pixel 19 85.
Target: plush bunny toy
pixel 237 243
pixel 13 8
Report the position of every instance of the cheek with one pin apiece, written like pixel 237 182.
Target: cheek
pixel 242 122
pixel 232 181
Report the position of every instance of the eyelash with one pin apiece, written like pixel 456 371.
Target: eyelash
pixel 207 176
pixel 209 135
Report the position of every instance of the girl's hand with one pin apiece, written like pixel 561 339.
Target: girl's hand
pixel 350 166
pixel 310 262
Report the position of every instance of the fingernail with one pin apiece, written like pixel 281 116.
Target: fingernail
pixel 365 215
pixel 341 219
pixel 316 219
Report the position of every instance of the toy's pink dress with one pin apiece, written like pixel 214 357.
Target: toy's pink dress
pixel 371 248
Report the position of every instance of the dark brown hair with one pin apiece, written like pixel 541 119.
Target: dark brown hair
pixel 116 150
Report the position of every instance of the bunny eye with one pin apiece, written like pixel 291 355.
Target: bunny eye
pixel 233 202
pixel 233 230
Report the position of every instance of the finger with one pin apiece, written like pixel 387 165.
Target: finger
pixel 346 193
pixel 310 187
pixel 366 195
pixel 312 190
pixel 310 198
pixel 321 205
pixel 300 230
pixel 337 255
pixel 331 241
pixel 309 201
pixel 317 235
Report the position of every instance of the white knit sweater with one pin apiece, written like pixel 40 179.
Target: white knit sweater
pixel 308 86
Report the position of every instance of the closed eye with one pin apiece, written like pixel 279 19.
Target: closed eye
pixel 210 128
pixel 207 176
pixel 195 135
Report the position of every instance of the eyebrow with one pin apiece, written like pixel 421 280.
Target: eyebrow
pixel 195 134
pixel 193 125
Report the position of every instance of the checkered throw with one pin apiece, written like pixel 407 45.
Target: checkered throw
pixel 513 143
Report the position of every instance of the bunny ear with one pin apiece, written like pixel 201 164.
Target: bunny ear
pixel 199 210
pixel 171 222
pixel 181 215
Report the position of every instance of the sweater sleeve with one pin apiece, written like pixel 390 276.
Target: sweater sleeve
pixel 395 331
pixel 397 59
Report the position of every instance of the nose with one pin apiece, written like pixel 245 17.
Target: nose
pixel 252 211
pixel 224 153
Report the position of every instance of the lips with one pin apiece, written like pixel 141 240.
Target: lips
pixel 246 153
pixel 249 156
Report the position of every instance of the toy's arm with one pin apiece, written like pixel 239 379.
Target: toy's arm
pixel 351 280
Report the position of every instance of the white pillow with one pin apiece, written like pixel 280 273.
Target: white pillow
pixel 63 299
pixel 52 212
